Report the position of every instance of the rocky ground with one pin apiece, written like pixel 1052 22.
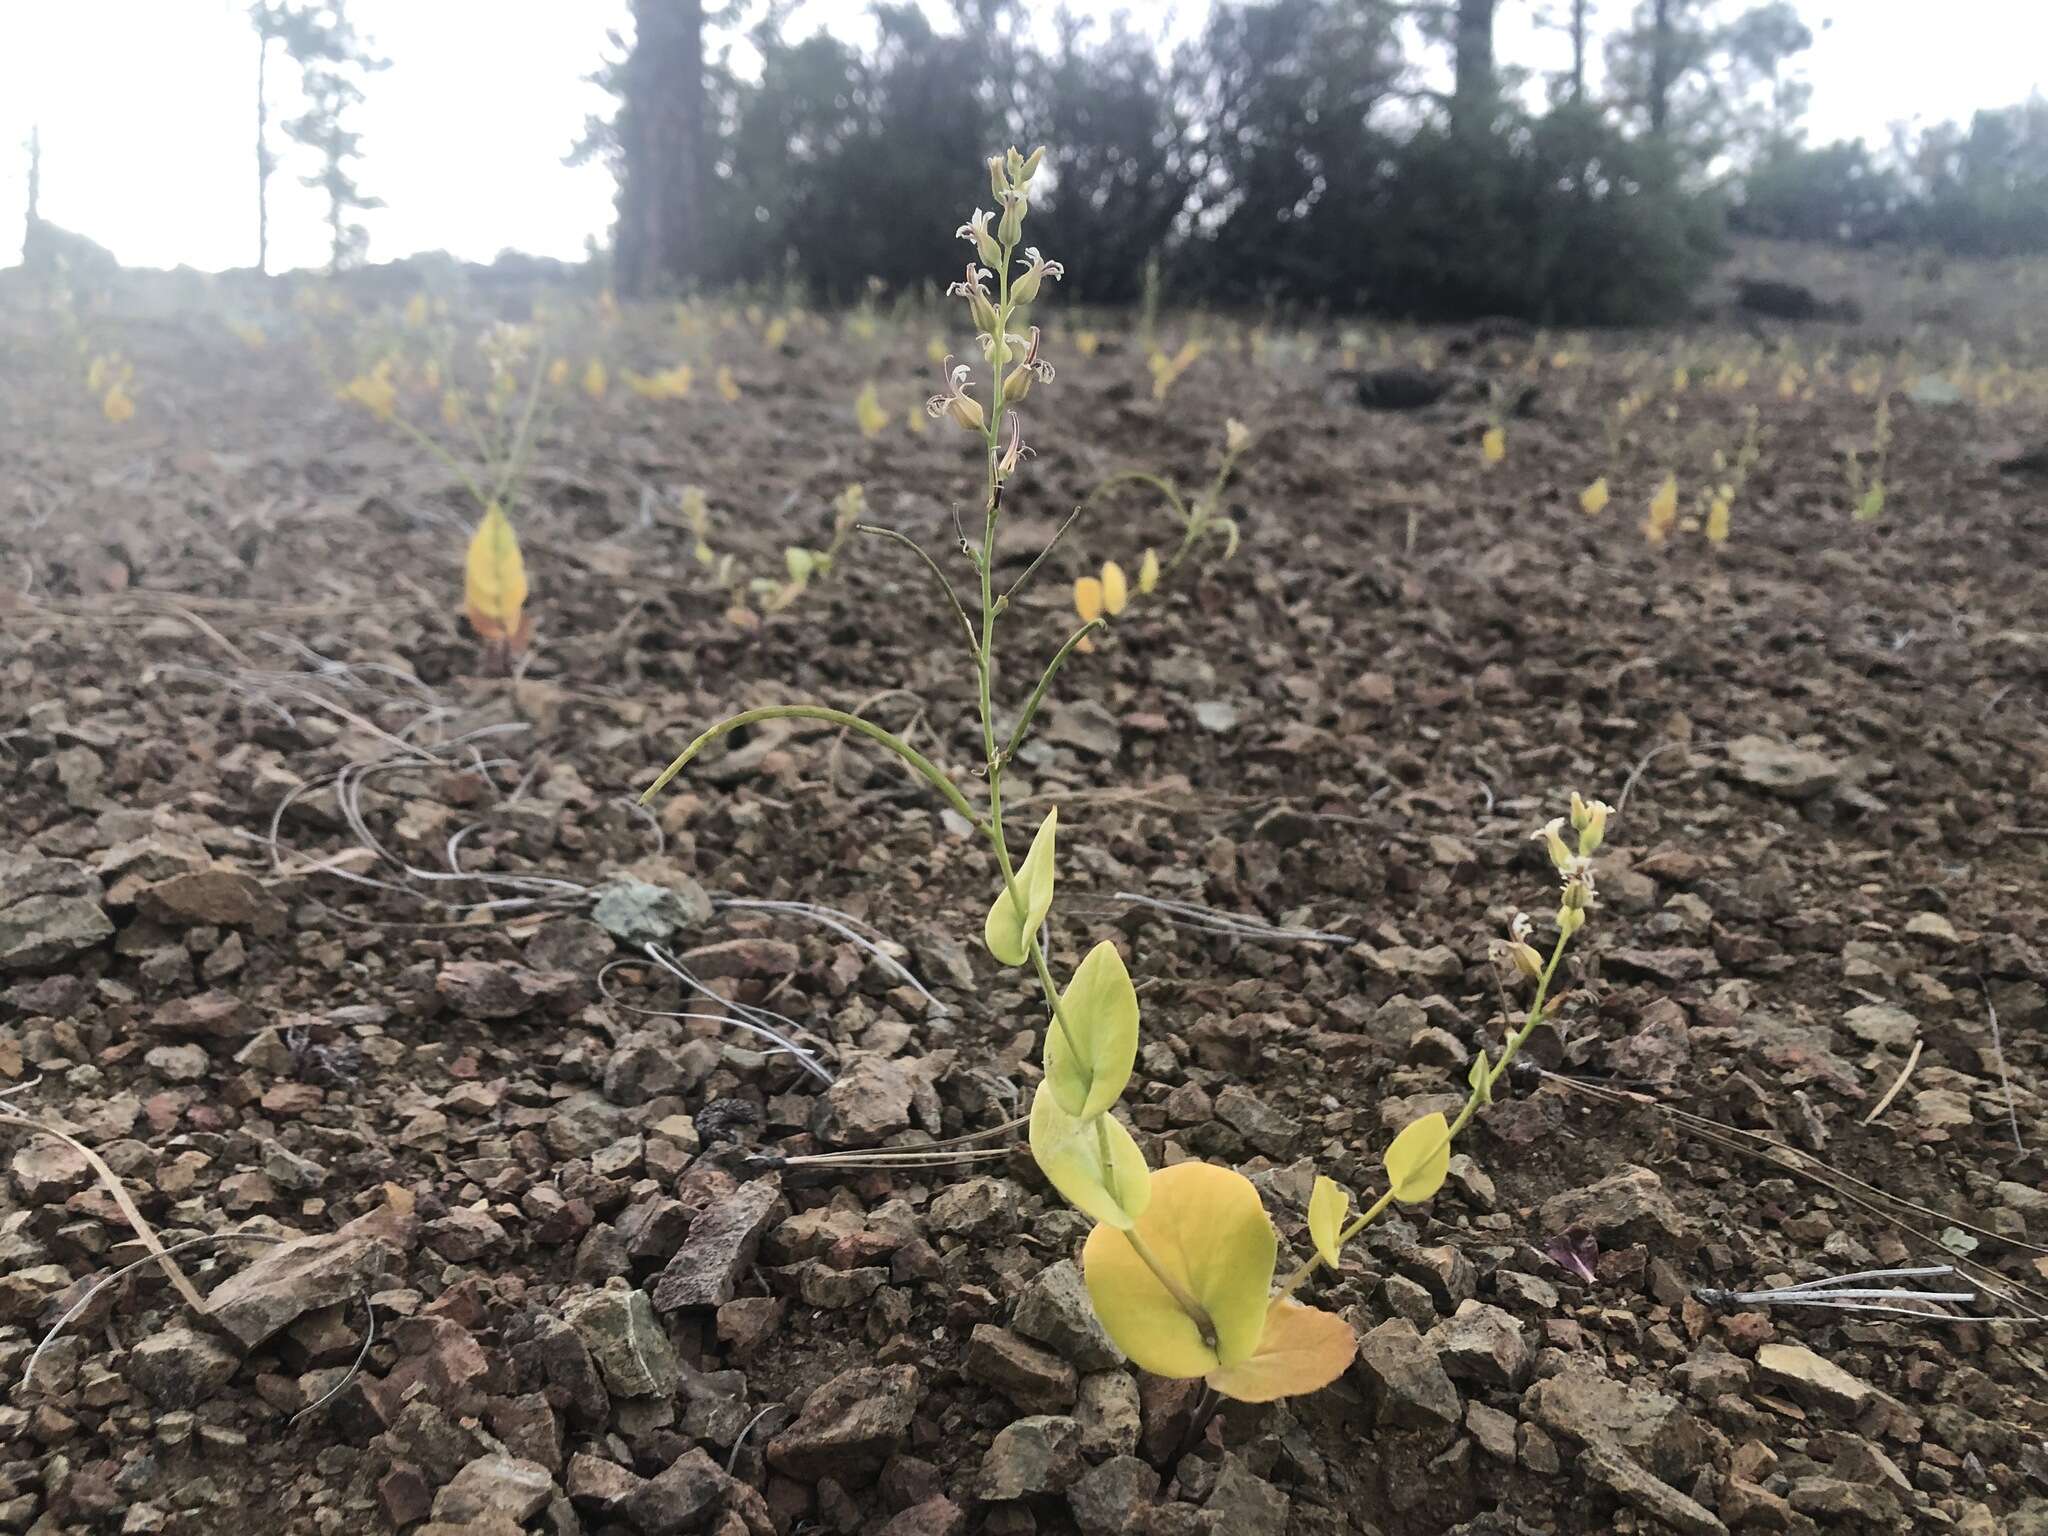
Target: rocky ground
pixel 311 929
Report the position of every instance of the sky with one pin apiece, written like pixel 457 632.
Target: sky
pixel 147 111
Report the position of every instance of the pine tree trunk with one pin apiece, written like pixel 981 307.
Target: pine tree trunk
pixel 1578 51
pixel 1661 62
pixel 661 134
pixel 262 156
pixel 1472 92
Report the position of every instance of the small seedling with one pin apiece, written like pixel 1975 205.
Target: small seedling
pixel 1865 473
pixel 1180 1265
pixel 1199 518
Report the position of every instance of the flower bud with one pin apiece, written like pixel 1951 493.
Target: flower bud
pixel 1594 832
pixel 1031 162
pixel 998 182
pixel 1011 230
pixel 983 311
pixel 1018 384
pixel 1527 961
pixel 1570 920
pixel 966 410
pixel 1236 436
pixel 1013 163
pixel 1550 835
pixel 1025 288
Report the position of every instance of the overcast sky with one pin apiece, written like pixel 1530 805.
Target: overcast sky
pixel 147 111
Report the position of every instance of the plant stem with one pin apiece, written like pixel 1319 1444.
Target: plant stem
pixel 1480 1094
pixel 903 749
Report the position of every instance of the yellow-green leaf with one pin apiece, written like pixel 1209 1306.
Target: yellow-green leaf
pixel 1328 1204
pixel 1419 1158
pixel 1088 597
pixel 1303 1349
pixel 1207 1230
pixel 1087 1073
pixel 801 562
pixel 1007 928
pixel 1115 588
pixel 1148 571
pixel 1069 1152
pixel 494 580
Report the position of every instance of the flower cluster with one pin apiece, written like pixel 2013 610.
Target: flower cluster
pixel 1589 821
pixel 993 308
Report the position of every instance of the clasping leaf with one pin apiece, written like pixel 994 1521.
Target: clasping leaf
pixel 1088 1057
pixel 1007 928
pixel 1419 1158
pixel 1069 1152
pixel 1328 1204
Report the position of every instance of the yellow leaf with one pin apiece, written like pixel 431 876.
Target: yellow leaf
pixel 1007 929
pixel 1717 521
pixel 1328 1204
pixel 1085 343
pixel 1069 1152
pixel 595 380
pixel 867 410
pixel 920 423
pixel 494 581
pixel 1088 598
pixel 728 386
pixel 777 332
pixel 1593 499
pixel 1208 1232
pixel 1148 572
pixel 1303 1349
pixel 1115 590
pixel 935 349
pixel 416 312
pixel 1088 1061
pixel 451 409
pixel 1663 511
pixel 1419 1158
pixel 801 563
pixel 558 372
pixel 1494 446
pixel 116 406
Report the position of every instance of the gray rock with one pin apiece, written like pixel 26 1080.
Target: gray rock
pixel 596 1484
pixel 869 1103
pixel 508 1487
pixel 1055 1311
pixel 285 1282
pixel 178 1368
pixel 178 1063
pixel 1408 1385
pixel 723 1240
pixel 1628 1206
pixel 1882 1024
pixel 1107 1498
pixel 1109 1414
pixel 636 912
pixel 1792 772
pixel 850 1425
pixel 677 1498
pixel 48 1172
pixel 1611 1469
pixel 1266 1128
pixel 1035 1379
pixel 49 911
pixel 626 1341
pixel 1085 726
pixel 1482 1344
pixel 1591 1409
pixel 1245 1504
pixel 1038 1454
pixel 978 1208
pixel 1811 1379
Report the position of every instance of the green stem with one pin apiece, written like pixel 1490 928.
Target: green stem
pixel 1045 681
pixel 903 749
pixel 945 584
pixel 1197 1313
pixel 1481 1093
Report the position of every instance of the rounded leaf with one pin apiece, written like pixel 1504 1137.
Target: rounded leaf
pixel 1007 927
pixel 1116 590
pixel 1069 1152
pixel 1419 1158
pixel 1207 1230
pixel 1088 1062
pixel 1088 598
pixel 1328 1204
pixel 1148 571
pixel 494 578
pixel 1303 1349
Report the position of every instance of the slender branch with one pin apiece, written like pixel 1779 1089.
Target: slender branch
pixel 1032 569
pixel 944 581
pixel 515 455
pixel 1045 681
pixel 839 717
